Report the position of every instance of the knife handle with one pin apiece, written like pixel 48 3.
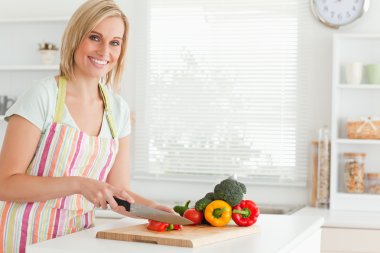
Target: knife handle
pixel 124 203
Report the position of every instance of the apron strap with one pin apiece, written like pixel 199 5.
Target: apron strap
pixel 60 100
pixel 62 83
pixel 107 108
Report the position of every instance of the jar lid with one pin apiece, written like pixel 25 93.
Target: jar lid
pixel 373 175
pixel 354 154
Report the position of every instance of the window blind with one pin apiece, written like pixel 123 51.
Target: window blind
pixel 222 90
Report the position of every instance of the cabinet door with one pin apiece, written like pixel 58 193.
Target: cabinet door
pixel 350 240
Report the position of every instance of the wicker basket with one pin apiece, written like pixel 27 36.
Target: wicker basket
pixel 368 128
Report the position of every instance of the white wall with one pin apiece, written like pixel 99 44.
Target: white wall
pixel 320 82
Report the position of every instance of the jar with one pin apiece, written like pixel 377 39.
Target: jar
pixel 373 181
pixel 354 172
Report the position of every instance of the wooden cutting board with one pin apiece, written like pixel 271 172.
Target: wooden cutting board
pixel 189 236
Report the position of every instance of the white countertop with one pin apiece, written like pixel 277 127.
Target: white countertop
pixel 343 219
pixel 278 233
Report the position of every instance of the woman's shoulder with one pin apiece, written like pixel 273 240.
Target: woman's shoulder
pixel 120 112
pixel 40 89
pixel 36 103
pixel 47 84
pixel 117 102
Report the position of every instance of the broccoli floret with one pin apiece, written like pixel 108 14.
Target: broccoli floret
pixel 243 188
pixel 181 209
pixel 210 196
pixel 230 191
pixel 201 204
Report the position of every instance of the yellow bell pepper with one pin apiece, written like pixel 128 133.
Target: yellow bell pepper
pixel 218 213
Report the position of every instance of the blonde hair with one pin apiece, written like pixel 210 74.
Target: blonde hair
pixel 83 21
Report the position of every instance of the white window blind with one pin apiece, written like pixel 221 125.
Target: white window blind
pixel 222 90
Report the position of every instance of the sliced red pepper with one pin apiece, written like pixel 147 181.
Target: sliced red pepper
pixel 177 227
pixel 162 226
pixel 245 213
pixel 157 226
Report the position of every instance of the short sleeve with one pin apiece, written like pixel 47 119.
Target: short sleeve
pixel 124 128
pixel 32 105
pixel 120 113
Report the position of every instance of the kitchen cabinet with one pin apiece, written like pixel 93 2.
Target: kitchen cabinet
pixel 20 62
pixel 349 240
pixel 353 101
pixel 278 233
pixel 347 231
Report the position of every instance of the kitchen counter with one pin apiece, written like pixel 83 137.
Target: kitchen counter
pixel 343 219
pixel 278 234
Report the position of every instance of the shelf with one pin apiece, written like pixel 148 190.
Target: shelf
pixel 28 20
pixel 349 101
pixel 367 196
pixel 357 141
pixel 28 67
pixel 359 86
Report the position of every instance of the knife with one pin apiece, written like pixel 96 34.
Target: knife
pixel 151 213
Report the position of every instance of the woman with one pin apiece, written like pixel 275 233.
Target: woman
pixel 66 146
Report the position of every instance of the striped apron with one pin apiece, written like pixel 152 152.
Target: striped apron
pixel 62 151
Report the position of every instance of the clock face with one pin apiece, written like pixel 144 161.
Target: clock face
pixel 336 13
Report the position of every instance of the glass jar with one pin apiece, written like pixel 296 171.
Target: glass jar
pixel 323 193
pixel 373 182
pixel 354 172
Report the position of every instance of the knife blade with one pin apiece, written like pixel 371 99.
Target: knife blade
pixel 151 213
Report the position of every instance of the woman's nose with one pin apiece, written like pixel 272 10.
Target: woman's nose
pixel 103 49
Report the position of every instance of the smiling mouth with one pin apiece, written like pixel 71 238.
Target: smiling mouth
pixel 98 61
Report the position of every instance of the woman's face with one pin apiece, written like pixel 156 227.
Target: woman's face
pixel 98 53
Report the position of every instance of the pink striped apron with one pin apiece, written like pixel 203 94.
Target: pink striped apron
pixel 62 151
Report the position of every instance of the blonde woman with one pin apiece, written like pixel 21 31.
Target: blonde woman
pixel 66 146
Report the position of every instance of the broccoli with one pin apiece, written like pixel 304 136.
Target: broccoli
pixel 210 196
pixel 243 188
pixel 230 191
pixel 201 204
pixel 181 209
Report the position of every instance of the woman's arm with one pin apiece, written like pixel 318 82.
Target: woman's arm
pixel 120 175
pixel 20 142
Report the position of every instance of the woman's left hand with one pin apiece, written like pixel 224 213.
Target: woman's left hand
pixel 155 205
pixel 161 207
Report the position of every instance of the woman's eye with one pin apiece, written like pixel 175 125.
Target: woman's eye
pixel 115 43
pixel 94 37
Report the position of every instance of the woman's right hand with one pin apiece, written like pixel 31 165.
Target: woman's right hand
pixel 101 193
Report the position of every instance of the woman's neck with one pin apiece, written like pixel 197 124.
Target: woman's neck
pixel 84 88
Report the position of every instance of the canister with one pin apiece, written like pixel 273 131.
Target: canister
pixel 354 172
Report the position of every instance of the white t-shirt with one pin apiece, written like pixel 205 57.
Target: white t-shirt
pixel 37 105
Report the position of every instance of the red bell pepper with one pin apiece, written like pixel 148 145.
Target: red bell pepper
pixel 245 213
pixel 162 226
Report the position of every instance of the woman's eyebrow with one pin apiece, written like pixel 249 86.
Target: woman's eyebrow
pixel 101 35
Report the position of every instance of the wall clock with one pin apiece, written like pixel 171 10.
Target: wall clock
pixel 336 13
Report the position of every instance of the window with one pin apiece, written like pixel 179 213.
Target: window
pixel 222 90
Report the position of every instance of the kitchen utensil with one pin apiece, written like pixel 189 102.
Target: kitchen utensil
pixel 151 213
pixel 189 236
pixel 5 103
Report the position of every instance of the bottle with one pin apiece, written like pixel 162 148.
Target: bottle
pixel 323 190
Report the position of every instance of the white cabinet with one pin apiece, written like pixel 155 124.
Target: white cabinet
pixel 347 240
pixel 353 101
pixel 20 62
